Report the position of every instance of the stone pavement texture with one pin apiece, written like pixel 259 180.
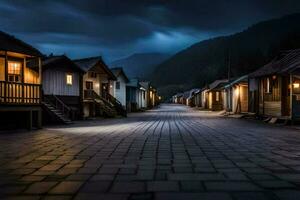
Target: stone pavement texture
pixel 169 153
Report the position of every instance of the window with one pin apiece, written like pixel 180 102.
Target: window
pixel 89 85
pixel 118 85
pixel 93 75
pixel 217 96
pixel 144 95
pixel 14 71
pixel 69 79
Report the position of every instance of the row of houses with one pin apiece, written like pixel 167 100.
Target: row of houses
pixel 272 91
pixel 35 88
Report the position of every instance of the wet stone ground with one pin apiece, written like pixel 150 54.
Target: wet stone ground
pixel 169 153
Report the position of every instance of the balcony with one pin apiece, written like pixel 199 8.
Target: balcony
pixel 19 93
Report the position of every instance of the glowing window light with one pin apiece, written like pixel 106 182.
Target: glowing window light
pixel 69 78
pixel 14 68
pixel 296 85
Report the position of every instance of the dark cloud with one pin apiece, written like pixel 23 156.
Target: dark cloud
pixel 116 28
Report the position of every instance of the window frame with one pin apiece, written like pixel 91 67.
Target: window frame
pixel 118 85
pixel 89 83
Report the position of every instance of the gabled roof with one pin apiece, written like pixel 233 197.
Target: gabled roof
pixel 134 82
pixel 60 62
pixel 118 71
pixel 178 95
pixel 242 79
pixel 10 43
pixel 285 63
pixel 87 64
pixel 218 84
pixel 145 84
pixel 191 92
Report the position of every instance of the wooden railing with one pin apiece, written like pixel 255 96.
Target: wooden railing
pixel 107 99
pixel 118 105
pixel 19 93
pixel 59 105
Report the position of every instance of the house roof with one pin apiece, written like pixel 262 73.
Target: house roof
pixel 145 84
pixel 60 62
pixel 242 79
pixel 86 64
pixel 134 82
pixel 10 43
pixel 117 71
pixel 285 63
pixel 218 84
pixel 193 91
pixel 178 95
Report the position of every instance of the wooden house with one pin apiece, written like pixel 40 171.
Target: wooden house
pixel 62 89
pixel 20 84
pixel 236 95
pixel 177 98
pixel 190 101
pixel 120 85
pixel 275 88
pixel 97 87
pixel 151 94
pixel 215 95
pixel 198 98
pixel 135 96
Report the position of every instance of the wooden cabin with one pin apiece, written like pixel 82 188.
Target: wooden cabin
pixel 236 95
pixel 97 88
pixel 192 96
pixel 62 89
pixel 178 98
pixel 120 85
pixel 151 94
pixel 215 95
pixel 20 84
pixel 135 96
pixel 275 89
pixel 197 98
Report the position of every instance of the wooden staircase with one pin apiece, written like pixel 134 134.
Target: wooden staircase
pixel 57 109
pixel 110 106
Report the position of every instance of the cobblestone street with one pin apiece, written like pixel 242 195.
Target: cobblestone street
pixel 168 153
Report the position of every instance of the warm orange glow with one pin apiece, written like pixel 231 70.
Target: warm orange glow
pixel 237 91
pixel 14 68
pixel 274 77
pixel 296 85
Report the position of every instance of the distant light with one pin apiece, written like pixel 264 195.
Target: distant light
pixel 296 85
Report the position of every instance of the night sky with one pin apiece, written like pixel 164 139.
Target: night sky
pixel 118 28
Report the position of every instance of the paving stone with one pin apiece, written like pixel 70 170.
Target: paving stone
pixel 189 186
pixel 231 186
pixel 192 196
pixel 275 184
pixel 95 187
pixel 128 187
pixel 66 187
pixel 288 194
pixel 40 187
pixel 162 186
pixel 172 152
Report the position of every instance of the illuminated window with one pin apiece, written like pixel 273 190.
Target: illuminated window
pixel 14 71
pixel 217 96
pixel 69 79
